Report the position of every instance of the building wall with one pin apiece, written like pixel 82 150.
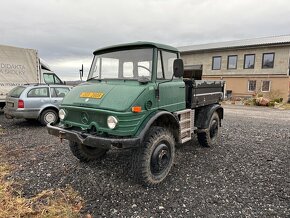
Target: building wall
pixel 237 79
pixel 239 86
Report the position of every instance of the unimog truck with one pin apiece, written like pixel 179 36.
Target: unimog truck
pixel 136 98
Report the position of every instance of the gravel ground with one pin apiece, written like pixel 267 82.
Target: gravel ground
pixel 246 176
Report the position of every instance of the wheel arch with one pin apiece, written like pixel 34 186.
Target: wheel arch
pixel 47 108
pixel 203 115
pixel 163 119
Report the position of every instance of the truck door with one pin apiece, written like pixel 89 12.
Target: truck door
pixel 171 93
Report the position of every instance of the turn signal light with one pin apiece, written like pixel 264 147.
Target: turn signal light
pixel 136 109
pixel 20 104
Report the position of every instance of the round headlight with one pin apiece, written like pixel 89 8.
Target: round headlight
pixel 61 114
pixel 112 122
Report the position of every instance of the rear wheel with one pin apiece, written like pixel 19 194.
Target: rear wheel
pixel 86 153
pixel 48 116
pixel 212 135
pixel 152 162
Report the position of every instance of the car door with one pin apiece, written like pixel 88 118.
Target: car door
pixel 37 98
pixel 57 94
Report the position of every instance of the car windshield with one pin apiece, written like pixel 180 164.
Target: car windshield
pixel 127 64
pixel 16 92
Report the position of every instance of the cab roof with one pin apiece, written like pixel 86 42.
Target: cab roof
pixel 139 44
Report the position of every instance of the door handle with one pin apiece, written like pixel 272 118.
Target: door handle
pixel 182 87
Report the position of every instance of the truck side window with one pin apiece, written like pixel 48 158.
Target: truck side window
pixel 168 59
pixel 159 67
pixel 56 80
pixel 167 63
pixel 48 78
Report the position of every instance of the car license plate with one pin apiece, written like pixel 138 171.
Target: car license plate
pixel 10 104
pixel 96 95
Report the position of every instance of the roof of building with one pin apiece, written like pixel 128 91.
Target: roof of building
pixel 264 41
pixel 135 44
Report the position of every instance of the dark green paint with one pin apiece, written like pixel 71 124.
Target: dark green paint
pixel 120 96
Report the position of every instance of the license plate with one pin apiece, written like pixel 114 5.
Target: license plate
pixel 10 104
pixel 96 95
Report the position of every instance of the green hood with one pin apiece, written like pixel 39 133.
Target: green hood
pixel 116 96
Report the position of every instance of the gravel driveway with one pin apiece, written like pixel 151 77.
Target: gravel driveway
pixel 248 175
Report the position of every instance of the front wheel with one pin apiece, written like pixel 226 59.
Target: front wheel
pixel 152 162
pixel 86 153
pixel 212 135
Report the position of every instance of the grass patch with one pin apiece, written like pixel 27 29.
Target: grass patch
pixel 49 203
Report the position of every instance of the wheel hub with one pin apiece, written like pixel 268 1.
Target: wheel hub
pixel 50 118
pixel 160 159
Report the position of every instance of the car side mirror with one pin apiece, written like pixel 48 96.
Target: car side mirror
pixel 178 68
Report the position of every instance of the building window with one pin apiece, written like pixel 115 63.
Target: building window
pixel 266 86
pixel 216 62
pixel 252 84
pixel 232 61
pixel 268 60
pixel 249 61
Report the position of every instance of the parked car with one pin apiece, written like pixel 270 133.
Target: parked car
pixel 38 101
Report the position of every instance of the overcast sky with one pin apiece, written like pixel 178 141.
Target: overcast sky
pixel 66 32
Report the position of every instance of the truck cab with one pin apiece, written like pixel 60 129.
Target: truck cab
pixel 136 98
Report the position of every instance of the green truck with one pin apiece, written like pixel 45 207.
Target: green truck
pixel 136 98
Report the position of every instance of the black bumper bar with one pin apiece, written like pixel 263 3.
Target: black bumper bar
pixel 91 140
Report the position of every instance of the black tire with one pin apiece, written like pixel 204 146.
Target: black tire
pixel 153 160
pixel 86 153
pixel 48 116
pixel 212 136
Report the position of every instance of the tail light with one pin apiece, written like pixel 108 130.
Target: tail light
pixel 20 104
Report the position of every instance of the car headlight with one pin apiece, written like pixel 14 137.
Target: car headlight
pixel 61 114
pixel 112 122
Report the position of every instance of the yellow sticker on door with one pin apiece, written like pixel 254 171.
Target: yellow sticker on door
pixel 96 95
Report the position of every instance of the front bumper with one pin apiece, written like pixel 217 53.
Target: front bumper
pixel 91 140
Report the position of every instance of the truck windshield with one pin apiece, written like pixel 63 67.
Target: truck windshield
pixel 126 64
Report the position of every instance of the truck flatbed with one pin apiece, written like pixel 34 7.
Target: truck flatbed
pixel 203 92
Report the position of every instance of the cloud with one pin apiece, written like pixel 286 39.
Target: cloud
pixel 70 30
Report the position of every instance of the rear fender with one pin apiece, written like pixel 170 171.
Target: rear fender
pixel 203 115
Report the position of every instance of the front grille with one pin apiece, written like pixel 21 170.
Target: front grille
pixel 94 121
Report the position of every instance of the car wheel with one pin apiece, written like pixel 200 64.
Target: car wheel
pixel 48 116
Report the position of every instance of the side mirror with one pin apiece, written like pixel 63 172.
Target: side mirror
pixel 178 68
